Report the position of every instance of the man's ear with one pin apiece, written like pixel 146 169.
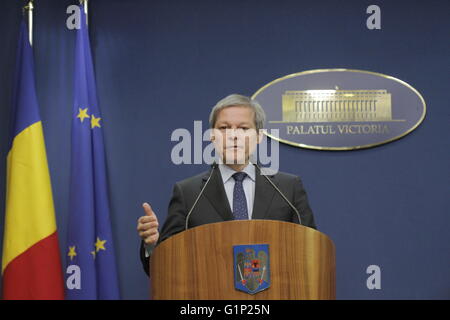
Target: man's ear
pixel 212 136
pixel 260 135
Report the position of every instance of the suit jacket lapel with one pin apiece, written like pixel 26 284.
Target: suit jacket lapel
pixel 215 193
pixel 264 193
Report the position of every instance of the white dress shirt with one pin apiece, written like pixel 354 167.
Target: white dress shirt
pixel 248 184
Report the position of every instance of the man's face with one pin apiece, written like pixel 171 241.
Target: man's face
pixel 234 134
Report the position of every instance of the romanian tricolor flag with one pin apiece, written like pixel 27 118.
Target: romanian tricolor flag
pixel 31 265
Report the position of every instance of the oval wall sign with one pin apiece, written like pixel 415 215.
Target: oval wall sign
pixel 340 109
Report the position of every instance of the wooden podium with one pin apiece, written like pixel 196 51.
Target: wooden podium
pixel 198 263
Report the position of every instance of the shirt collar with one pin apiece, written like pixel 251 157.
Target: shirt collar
pixel 227 172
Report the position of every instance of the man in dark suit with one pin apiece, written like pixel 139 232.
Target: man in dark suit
pixel 233 189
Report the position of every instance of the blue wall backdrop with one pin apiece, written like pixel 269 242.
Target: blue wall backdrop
pixel 162 64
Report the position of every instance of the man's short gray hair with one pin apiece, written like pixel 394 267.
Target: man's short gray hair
pixel 239 100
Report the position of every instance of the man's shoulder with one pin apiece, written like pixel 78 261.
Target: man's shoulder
pixel 194 180
pixel 285 176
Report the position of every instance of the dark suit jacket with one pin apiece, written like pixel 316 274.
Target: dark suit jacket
pixel 213 205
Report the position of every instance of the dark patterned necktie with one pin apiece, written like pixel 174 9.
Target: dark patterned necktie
pixel 239 200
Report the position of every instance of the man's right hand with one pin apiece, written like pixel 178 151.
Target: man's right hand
pixel 148 226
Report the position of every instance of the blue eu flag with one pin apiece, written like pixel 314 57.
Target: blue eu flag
pixel 91 267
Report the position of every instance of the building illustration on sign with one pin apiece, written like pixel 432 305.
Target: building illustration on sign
pixel 336 106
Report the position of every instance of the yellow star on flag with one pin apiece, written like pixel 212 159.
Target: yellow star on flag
pixel 82 114
pixel 72 253
pixel 95 122
pixel 100 245
pixel 93 254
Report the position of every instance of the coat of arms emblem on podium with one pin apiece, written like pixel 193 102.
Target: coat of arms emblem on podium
pixel 251 268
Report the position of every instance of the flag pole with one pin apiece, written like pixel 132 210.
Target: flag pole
pixel 85 5
pixel 29 7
